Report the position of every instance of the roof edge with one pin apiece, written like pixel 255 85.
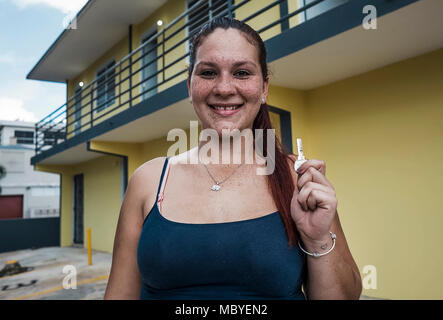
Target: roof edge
pixel 30 76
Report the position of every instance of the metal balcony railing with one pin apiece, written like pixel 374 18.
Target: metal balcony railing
pixel 160 62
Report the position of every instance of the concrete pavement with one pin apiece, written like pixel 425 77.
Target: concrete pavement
pixel 55 271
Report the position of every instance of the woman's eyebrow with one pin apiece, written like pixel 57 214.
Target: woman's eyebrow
pixel 206 63
pixel 236 64
pixel 241 63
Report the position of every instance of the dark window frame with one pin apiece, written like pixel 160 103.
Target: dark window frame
pixel 24 136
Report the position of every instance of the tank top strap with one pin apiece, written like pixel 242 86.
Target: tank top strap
pixel 163 179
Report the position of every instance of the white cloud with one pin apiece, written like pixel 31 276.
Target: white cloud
pixel 65 6
pixel 7 58
pixel 12 109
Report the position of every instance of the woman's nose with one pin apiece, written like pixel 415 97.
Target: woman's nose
pixel 224 86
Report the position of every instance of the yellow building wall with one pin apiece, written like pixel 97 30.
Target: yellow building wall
pixel 66 204
pixel 381 136
pixel 102 199
pixel 294 20
pixel 261 20
pixel 294 101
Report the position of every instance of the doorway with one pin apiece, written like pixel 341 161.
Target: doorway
pixel 78 209
pixel 11 207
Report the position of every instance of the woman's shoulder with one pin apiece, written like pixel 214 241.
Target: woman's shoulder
pixel 147 173
pixel 152 169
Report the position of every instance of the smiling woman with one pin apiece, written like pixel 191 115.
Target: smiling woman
pixel 180 238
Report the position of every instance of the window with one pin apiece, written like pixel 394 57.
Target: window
pixel 318 8
pixel 206 11
pixel 149 65
pixel 77 110
pixel 105 90
pixel 24 137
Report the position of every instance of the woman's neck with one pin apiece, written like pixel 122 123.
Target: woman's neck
pixel 230 149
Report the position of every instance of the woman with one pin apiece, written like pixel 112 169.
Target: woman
pixel 221 231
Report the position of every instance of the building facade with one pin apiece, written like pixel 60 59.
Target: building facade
pixel 361 85
pixel 25 192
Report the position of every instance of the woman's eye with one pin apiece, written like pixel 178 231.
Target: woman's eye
pixel 242 73
pixel 207 73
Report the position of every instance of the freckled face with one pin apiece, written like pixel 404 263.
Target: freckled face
pixel 226 85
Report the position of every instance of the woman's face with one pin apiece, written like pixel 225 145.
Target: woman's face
pixel 226 85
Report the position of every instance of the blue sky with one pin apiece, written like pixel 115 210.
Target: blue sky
pixel 27 30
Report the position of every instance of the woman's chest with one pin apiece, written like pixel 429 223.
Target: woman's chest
pixel 189 197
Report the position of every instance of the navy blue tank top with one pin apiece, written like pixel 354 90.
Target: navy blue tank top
pixel 246 259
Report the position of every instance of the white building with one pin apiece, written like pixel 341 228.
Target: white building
pixel 37 193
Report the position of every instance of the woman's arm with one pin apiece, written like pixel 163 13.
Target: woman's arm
pixel 335 275
pixel 125 280
pixel 314 210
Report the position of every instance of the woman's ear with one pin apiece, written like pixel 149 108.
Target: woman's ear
pixel 189 89
pixel 265 89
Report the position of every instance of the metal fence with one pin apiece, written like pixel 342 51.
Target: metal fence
pixel 160 62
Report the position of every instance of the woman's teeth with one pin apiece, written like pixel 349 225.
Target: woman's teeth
pixel 225 108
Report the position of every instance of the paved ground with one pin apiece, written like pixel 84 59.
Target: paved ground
pixel 45 281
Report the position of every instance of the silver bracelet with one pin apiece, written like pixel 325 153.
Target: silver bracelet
pixel 316 254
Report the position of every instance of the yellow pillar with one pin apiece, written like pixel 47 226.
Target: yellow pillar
pixel 89 247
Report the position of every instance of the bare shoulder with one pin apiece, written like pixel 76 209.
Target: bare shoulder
pixel 146 175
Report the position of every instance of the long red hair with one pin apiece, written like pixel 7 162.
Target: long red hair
pixel 280 182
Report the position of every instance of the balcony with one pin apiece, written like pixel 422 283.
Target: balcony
pixel 161 62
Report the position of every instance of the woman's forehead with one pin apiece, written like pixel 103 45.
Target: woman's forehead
pixel 226 45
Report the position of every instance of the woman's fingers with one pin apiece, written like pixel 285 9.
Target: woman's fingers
pixel 320 165
pixel 307 198
pixel 312 174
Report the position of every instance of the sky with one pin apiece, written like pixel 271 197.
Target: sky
pixel 27 29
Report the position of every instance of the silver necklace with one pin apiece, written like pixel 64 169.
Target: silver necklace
pixel 217 185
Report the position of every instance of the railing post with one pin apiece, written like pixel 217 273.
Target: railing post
pixel 92 105
pixel 66 126
pixel 163 55
pixel 130 66
pixel 283 12
pixel 36 137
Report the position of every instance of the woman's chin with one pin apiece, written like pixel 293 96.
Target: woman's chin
pixel 225 131
pixel 226 128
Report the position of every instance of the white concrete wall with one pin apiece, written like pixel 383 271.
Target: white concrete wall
pixel 40 190
pixel 7 130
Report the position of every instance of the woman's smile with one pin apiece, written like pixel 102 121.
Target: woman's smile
pixel 225 109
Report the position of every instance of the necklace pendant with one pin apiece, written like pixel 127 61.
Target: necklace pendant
pixel 215 187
